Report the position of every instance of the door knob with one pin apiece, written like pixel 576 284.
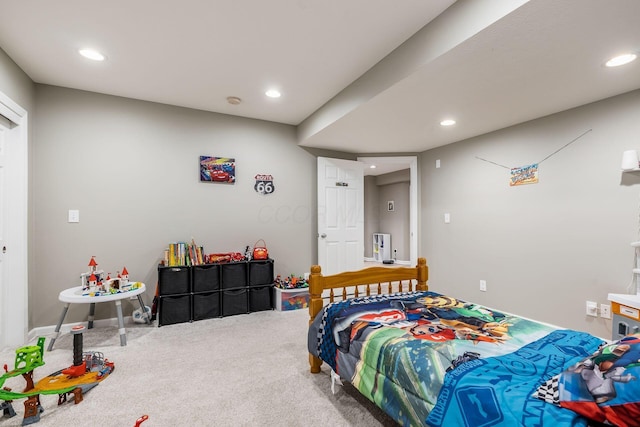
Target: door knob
pixel 323 235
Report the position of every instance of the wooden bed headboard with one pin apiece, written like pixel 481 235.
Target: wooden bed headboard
pixel 350 283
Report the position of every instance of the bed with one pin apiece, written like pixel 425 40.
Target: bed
pixel 430 359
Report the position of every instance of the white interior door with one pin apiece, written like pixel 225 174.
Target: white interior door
pixel 13 224
pixel 340 215
pixel 4 296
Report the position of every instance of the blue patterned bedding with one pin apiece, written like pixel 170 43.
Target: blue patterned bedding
pixel 429 359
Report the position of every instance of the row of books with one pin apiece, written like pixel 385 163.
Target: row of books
pixel 183 253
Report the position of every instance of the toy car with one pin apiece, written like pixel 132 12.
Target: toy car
pixel 218 175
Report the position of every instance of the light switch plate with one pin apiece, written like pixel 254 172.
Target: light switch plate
pixel 592 308
pixel 74 215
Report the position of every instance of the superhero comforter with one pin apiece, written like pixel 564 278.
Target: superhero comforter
pixel 429 359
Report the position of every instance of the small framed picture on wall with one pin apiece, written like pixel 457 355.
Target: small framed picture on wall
pixel 390 205
pixel 217 169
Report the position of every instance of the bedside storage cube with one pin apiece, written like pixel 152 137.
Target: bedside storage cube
pixel 291 299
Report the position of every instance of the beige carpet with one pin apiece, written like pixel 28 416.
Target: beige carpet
pixel 244 370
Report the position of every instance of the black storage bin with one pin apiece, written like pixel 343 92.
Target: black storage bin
pixel 174 280
pixel 261 272
pixel 205 278
pixel 260 299
pixel 206 305
pixel 234 275
pixel 174 309
pixel 234 302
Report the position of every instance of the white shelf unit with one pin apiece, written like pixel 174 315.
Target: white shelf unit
pixel 381 246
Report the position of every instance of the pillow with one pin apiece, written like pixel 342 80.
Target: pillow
pixel 604 387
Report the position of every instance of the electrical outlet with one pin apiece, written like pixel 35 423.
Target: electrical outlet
pixel 605 311
pixel 483 285
pixel 592 308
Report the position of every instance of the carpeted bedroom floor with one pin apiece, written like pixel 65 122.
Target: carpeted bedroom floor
pixel 244 370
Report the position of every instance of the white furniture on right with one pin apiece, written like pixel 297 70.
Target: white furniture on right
pixel 381 246
pixel 626 307
pixel 626 314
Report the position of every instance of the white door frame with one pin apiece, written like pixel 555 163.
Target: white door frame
pixel 14 303
pixel 412 165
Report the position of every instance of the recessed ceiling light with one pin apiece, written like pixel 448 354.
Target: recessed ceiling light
pixel 448 122
pixel 372 167
pixel 233 100
pixel 92 54
pixel 621 60
pixel 273 93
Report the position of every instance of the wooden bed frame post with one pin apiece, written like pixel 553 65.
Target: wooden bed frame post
pixel 423 275
pixel 315 305
pixel 373 275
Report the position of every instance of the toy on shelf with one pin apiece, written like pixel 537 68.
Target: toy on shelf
pixel 87 371
pixel 94 283
pixel 290 282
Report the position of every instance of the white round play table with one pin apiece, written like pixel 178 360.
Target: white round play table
pixel 74 296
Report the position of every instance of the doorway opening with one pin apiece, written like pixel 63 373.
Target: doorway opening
pixel 395 213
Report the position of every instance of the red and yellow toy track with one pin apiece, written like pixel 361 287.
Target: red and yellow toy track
pixel 88 370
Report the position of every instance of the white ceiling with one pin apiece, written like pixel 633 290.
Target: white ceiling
pixel 358 76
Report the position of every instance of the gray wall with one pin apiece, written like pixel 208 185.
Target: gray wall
pixel 395 186
pixel 547 248
pixel 396 222
pixel 15 83
pixel 371 213
pixel 131 168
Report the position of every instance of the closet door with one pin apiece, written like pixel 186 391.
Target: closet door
pixel 13 224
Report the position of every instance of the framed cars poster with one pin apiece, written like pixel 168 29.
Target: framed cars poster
pixel 217 169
